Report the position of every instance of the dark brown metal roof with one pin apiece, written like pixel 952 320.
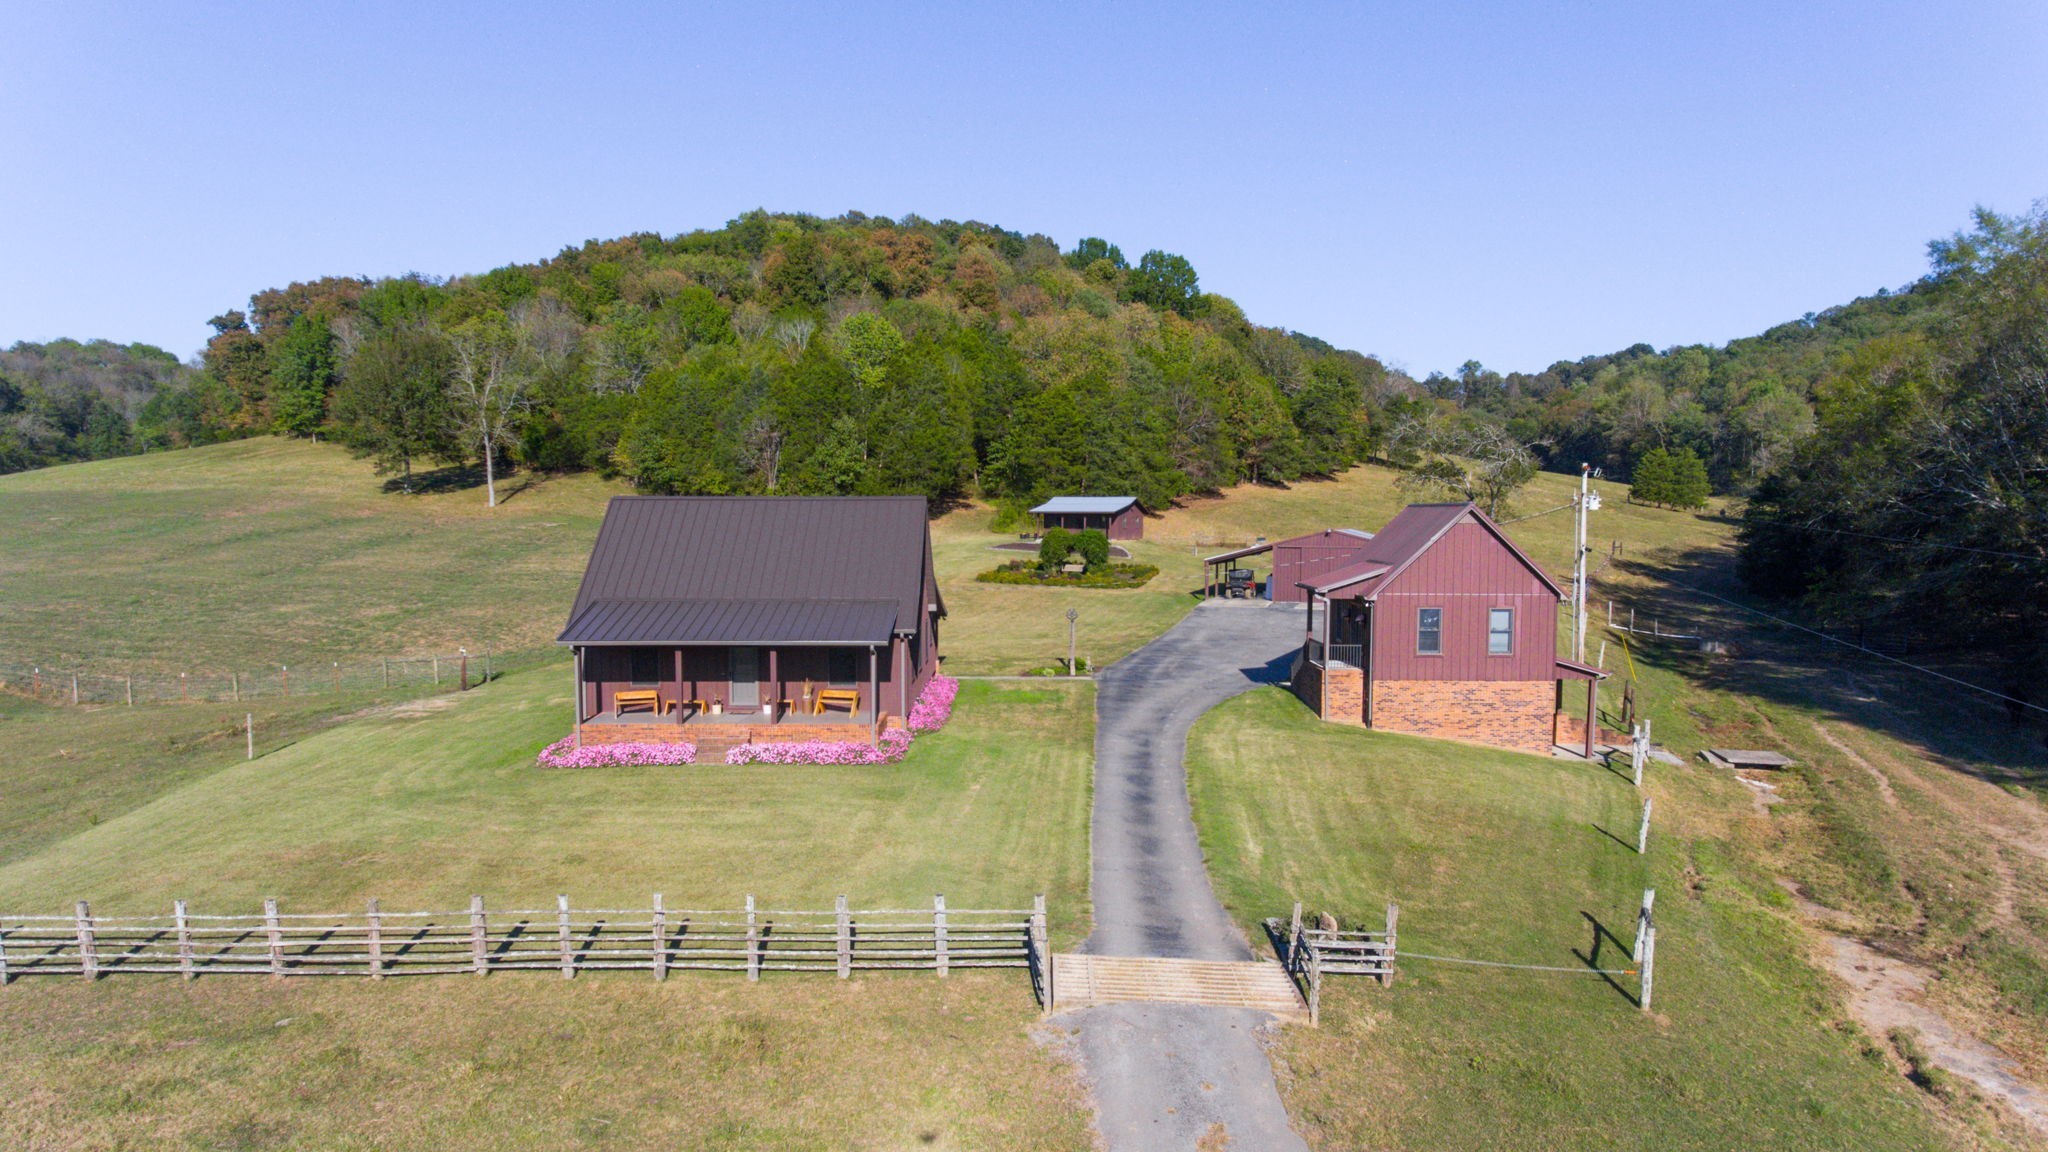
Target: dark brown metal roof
pixel 693 550
pixel 732 622
pixel 1408 536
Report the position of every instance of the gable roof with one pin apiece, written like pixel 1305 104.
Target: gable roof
pixel 754 569
pixel 1405 538
pixel 1101 505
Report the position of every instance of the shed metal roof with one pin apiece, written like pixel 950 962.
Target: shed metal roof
pixel 1103 505
pixel 732 622
pixel 686 551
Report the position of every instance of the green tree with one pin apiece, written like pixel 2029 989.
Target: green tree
pixel 1653 480
pixel 392 403
pixel 1164 280
pixel 1093 545
pixel 1054 547
pixel 870 342
pixel 303 371
pixel 1093 248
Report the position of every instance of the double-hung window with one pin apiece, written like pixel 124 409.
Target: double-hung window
pixel 1500 631
pixel 1429 632
pixel 646 670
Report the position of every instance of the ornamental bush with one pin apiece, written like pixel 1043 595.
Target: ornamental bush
pixel 1093 545
pixel 1053 548
pixel 563 753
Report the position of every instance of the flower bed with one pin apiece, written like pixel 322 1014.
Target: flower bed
pixel 564 754
pixel 895 742
pixel 934 705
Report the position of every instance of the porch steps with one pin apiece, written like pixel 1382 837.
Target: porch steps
pixel 1081 980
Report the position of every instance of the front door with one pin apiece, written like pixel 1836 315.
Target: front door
pixel 745 674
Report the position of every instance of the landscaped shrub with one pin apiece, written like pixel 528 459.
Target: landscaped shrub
pixel 934 705
pixel 1093 545
pixel 563 753
pixel 1053 548
pixel 1111 576
pixel 895 742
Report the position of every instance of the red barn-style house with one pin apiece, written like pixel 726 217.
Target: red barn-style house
pixel 726 620
pixel 1117 517
pixel 1440 626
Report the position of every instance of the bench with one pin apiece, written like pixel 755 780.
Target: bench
pixel 846 696
pixel 647 698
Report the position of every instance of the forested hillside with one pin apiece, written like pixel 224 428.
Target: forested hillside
pixel 793 354
pixel 70 401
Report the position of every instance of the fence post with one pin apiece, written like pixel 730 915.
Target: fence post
pixel 128 684
pixel 939 932
pixel 487 664
pixel 437 669
pixel 1643 832
pixel 1639 751
pixel 1294 939
pixel 88 955
pixel 462 678
pixel 1393 917
pixel 660 940
pixel 3 955
pixel 235 682
pixel 1315 989
pixel 181 688
pixel 337 675
pixel 275 933
pixel 376 941
pixel 74 689
pixel 1649 963
pixel 753 942
pixel 1635 951
pixel 284 674
pixel 843 922
pixel 1038 942
pixel 479 930
pixel 562 930
pixel 384 665
pixel 184 928
pixel 249 730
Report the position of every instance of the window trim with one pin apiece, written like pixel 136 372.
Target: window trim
pixel 1419 649
pixel 1510 649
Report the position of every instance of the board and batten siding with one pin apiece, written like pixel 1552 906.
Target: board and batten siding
pixel 1465 573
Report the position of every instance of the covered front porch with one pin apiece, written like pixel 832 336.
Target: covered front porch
pixel 717 695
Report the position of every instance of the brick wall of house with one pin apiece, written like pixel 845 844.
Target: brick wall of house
pixel 1513 714
pixel 1346 696
pixel 1308 684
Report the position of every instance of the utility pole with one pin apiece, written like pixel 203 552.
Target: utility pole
pixel 1589 501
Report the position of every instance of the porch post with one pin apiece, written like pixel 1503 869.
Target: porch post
pixel 774 688
pixel 899 657
pixel 1592 713
pixel 874 687
pixel 576 729
pixel 679 686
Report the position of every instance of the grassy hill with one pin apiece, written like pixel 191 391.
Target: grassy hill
pixel 1910 816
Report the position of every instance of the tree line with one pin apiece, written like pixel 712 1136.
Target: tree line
pixel 66 400
pixel 800 355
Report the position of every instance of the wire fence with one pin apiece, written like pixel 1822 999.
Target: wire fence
pixel 463 668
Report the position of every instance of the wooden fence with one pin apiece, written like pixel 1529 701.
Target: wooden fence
pixel 454 671
pixel 1311 951
pixel 376 943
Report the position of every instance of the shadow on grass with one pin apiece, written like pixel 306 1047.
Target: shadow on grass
pixel 1964 730
pixel 1592 957
pixel 1611 836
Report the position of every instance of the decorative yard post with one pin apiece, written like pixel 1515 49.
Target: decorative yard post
pixel 1072 616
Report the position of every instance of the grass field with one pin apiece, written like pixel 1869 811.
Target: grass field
pixel 1513 858
pixel 421 803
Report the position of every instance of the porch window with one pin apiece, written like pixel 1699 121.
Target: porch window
pixel 842 667
pixel 646 670
pixel 1500 631
pixel 1429 632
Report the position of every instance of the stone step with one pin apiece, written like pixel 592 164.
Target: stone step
pixel 1081 980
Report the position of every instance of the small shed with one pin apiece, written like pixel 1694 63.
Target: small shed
pixel 1297 561
pixel 1117 517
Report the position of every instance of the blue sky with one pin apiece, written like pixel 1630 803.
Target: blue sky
pixel 1430 182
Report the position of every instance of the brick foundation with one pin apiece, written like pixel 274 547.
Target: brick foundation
pixel 1345 699
pixel 1513 714
pixel 723 736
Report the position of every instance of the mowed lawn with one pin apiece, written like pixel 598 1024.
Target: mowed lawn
pixel 421 804
pixel 1513 858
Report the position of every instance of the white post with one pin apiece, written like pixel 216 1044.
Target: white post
pixel 562 932
pixel 479 928
pixel 184 929
pixel 274 933
pixel 843 933
pixel 1393 918
pixel 660 939
pixel 88 954
pixel 939 931
pixel 249 731
pixel 376 921
pixel 1649 964
pixel 74 688
pixel 753 942
pixel 1642 924
pixel 1643 831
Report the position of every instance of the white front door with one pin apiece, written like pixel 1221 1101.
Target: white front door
pixel 745 674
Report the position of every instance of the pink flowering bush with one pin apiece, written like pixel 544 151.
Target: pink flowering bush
pixel 895 742
pixel 934 705
pixel 564 754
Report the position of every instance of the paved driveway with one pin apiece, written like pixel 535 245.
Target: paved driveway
pixel 1167 1076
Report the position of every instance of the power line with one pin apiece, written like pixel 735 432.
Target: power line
pixel 1897 539
pixel 1861 648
